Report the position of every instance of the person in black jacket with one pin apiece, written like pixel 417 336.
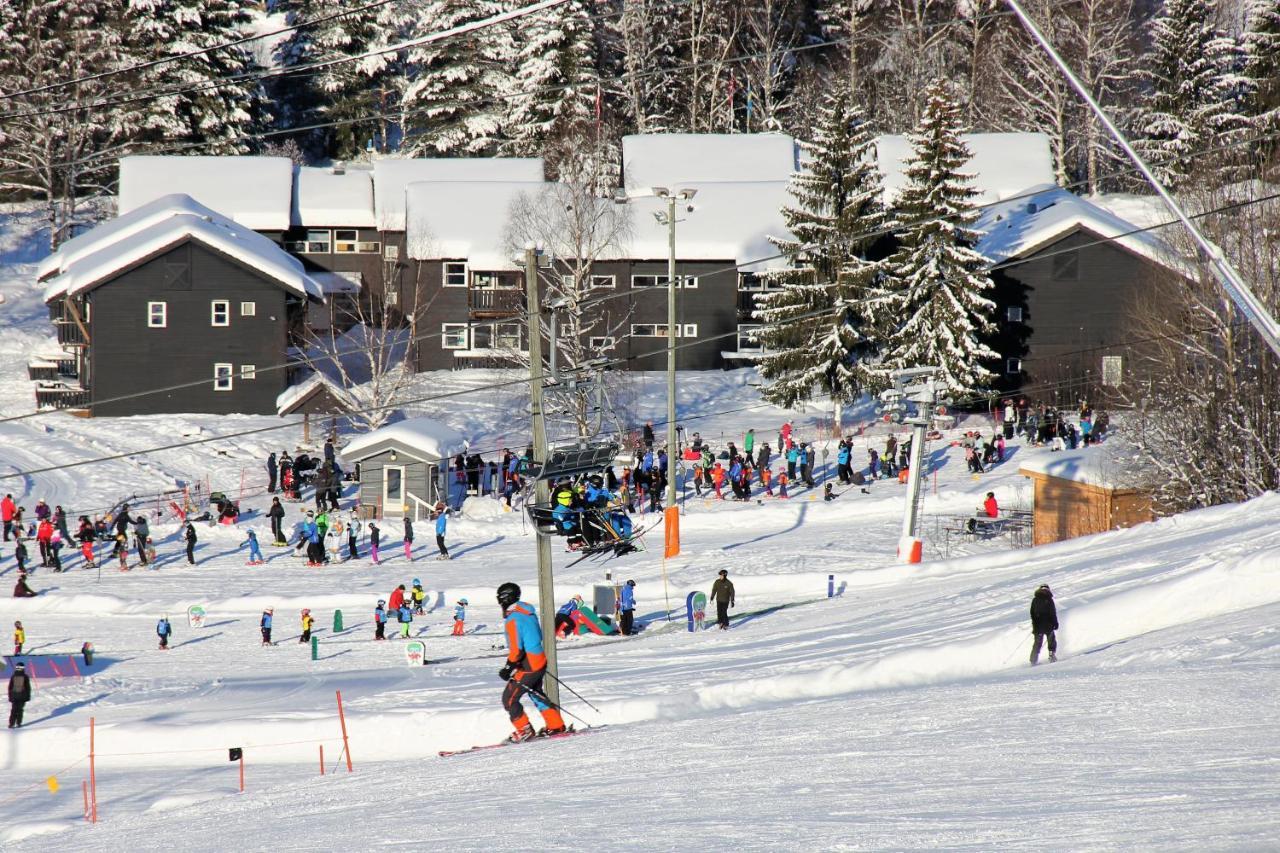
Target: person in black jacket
pixel 276 514
pixel 189 535
pixel 1044 621
pixel 272 469
pixel 19 694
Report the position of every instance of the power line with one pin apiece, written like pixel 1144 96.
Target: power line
pixel 142 66
pixel 591 303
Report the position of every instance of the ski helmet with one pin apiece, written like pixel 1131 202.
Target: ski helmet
pixel 382 602
pixel 508 594
pixel 631 583
pixel 463 602
pixel 417 582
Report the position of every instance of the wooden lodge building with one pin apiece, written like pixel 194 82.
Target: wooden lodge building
pixel 428 238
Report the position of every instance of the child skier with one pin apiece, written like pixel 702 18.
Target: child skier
pixel 19 637
pixel 307 623
pixel 408 539
pixel 164 630
pixel 419 596
pixel 85 536
pixel 266 626
pixel 717 480
pixel 460 618
pixel 122 551
pixel 405 616
pixel 766 477
pixel 782 484
pixel 151 553
pixel 20 553
pixel 255 553
pixel 374 536
pixel 380 620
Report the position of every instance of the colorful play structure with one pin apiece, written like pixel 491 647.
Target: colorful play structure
pixel 587 621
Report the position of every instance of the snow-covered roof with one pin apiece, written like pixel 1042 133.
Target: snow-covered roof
pixel 338 282
pixel 463 219
pixel 1017 228
pixel 255 191
pixel 123 226
pixel 1110 465
pixel 430 438
pixel 673 160
pixel 294 395
pixel 1003 164
pixel 392 176
pixel 324 198
pixel 729 221
pixel 122 247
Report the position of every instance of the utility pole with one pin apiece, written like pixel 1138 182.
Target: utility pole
pixel 542 489
pixel 671 349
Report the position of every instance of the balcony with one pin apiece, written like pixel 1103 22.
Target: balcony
pixel 55 395
pixel 69 333
pixel 493 303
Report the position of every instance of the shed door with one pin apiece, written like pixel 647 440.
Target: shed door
pixel 393 495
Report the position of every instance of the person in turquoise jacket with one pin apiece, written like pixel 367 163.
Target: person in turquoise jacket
pixel 380 620
pixel 627 607
pixel 266 626
pixel 441 524
pixel 526 665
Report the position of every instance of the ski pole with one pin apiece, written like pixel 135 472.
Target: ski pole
pixel 574 692
pixel 540 695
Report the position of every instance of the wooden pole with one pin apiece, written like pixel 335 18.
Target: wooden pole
pixel 93 777
pixel 242 771
pixel 342 718
pixel 321 759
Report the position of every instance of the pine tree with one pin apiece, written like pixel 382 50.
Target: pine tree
pixel 556 79
pixel 936 312
pixel 341 92
pixel 452 103
pixel 220 117
pixel 838 210
pixel 1262 69
pixel 1197 98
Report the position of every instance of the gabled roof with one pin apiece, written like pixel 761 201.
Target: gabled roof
pixel 323 198
pixel 392 176
pixel 1003 164
pixel 295 397
pixel 429 438
pixel 673 160
pixel 254 191
pixel 1017 229
pixel 463 219
pixel 147 234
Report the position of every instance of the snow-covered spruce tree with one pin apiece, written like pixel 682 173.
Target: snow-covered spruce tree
pixel 1262 68
pixel 555 80
pixel 647 60
pixel 58 145
pixel 341 92
pixel 1197 96
pixel 838 210
pixel 219 117
pixel 453 103
pixel 937 311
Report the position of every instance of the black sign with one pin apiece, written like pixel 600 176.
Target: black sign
pixel 234 754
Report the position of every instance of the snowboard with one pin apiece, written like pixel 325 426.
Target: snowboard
pixel 570 732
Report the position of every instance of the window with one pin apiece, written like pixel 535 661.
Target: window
pixel 391 297
pixel 317 243
pixel 596 282
pixel 455 273
pixel 248 309
pixel 602 343
pixel 222 377
pixel 1066 267
pixel 157 314
pixel 347 242
pixel 1013 314
pixel 659 330
pixel 1112 370
pixel 750 282
pixel 749 338
pixel 248 371
pixel 656 280
pixel 453 335
pixel 1012 366
pixel 390 253
pixel 220 312
pixel 506 336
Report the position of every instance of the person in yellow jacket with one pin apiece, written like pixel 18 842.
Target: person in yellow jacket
pixel 19 637
pixel 307 623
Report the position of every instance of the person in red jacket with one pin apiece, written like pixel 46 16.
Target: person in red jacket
pixel 7 510
pixel 397 599
pixel 990 507
pixel 44 533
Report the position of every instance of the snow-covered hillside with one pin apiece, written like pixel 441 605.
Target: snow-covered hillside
pixel 900 714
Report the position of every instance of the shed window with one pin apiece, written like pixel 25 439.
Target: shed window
pixel 248 371
pixel 220 312
pixel 248 309
pixel 1013 314
pixel 455 274
pixel 222 377
pixel 158 314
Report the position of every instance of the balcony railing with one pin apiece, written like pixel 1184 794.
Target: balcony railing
pixel 57 396
pixel 492 303
pixel 69 333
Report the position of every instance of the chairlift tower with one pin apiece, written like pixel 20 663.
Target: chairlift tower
pixel 915 385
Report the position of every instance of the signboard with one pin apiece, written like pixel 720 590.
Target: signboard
pixel 415 653
pixel 196 616
pixel 696 610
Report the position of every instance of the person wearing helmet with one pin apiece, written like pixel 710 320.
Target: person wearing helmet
pixel 164 631
pixel 460 618
pixel 627 607
pixel 526 665
pixel 380 620
pixel 265 624
pixel 566 620
pixel 307 623
pixel 419 596
pixel 1044 621
pixel 19 694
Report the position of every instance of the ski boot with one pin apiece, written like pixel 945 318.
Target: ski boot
pixel 522 734
pixel 1053 657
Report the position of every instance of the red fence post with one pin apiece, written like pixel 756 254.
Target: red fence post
pixel 242 771
pixel 321 759
pixel 342 718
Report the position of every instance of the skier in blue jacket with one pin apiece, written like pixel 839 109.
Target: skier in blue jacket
pixel 627 607
pixel 164 631
pixel 266 626
pixel 441 524
pixel 380 620
pixel 404 616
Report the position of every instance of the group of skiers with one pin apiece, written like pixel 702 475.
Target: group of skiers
pixel 405 604
pixel 322 534
pixel 294 474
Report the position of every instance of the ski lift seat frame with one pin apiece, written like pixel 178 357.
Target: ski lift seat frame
pixel 569 462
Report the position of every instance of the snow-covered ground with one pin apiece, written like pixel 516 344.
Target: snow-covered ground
pixel 899 714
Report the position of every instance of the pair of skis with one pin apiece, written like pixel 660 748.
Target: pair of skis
pixel 569 732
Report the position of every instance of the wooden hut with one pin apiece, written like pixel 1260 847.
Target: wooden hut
pixel 404 467
pixel 1090 490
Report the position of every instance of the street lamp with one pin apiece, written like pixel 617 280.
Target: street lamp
pixel 667 218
